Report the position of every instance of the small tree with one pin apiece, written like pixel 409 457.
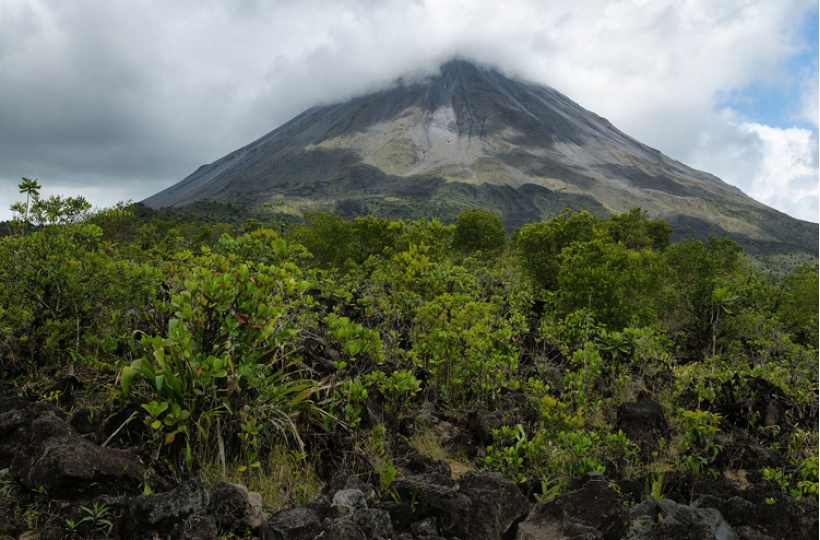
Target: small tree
pixel 32 190
pixel 539 245
pixel 478 229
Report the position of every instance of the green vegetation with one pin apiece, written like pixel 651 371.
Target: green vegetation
pixel 240 347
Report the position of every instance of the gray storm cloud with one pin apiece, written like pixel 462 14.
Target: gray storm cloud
pixel 116 101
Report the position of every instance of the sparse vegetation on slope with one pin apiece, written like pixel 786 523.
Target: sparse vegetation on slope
pixel 281 359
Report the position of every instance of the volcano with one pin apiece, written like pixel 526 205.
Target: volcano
pixel 471 137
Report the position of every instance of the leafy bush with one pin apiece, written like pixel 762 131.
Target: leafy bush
pixel 479 230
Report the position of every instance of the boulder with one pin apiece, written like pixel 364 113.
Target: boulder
pixel 235 508
pixel 343 529
pixel 339 482
pixel 659 520
pixel 425 528
pixel 163 514
pixel 497 504
pixel 369 492
pixel 198 528
pixel 643 423
pixel 593 511
pixel 401 515
pixel 375 523
pixel 323 507
pixel 483 423
pixel 428 470
pixel 292 524
pixel 444 503
pixel 784 519
pixel 41 449
pixel 348 501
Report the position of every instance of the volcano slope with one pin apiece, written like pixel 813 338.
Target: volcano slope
pixel 471 137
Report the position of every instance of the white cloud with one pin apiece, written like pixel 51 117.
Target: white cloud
pixel 776 166
pixel 810 101
pixel 101 93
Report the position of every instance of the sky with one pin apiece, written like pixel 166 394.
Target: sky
pixel 116 100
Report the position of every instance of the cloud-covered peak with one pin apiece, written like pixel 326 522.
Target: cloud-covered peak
pixel 98 94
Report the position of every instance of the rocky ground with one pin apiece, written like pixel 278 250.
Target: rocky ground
pixel 60 479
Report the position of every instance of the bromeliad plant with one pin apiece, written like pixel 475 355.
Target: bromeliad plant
pixel 232 326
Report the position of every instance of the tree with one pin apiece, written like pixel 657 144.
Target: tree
pixel 32 190
pixel 620 286
pixel 539 245
pixel 478 229
pixel 375 237
pixel 697 272
pixel 635 231
pixel 328 238
pixel 799 309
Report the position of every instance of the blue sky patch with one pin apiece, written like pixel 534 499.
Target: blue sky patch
pixel 778 103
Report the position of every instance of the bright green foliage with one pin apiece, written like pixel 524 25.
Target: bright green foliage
pixel 699 428
pixel 466 345
pixel 232 326
pixel 32 190
pixel 353 339
pixel 799 304
pixel 571 455
pixel 399 387
pixel 539 245
pixel 433 237
pixel 479 230
pixel 348 400
pixel 61 290
pixel 327 237
pixel 698 271
pixel 635 231
pixel 55 210
pixel 619 285
pixel 237 348
pixel 375 237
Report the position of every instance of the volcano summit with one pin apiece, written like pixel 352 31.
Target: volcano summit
pixel 470 136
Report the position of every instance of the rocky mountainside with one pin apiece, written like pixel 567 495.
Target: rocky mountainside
pixel 470 136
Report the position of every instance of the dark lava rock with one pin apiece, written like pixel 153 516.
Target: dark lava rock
pixel 198 528
pixel 369 492
pixel 348 501
pixel 41 449
pixel 660 520
pixel 343 529
pixel 428 470
pixel 742 452
pixel 463 443
pixel 747 533
pixel 591 511
pixel 482 424
pixel 323 507
pixel 338 482
pixel 125 422
pixel 292 524
pixel 785 519
pixel 401 514
pixel 163 514
pixel 83 422
pixel 444 503
pixel 643 423
pixel 425 528
pixel 497 504
pixel 235 508
pixel 753 401
pixel 67 386
pixel 374 522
